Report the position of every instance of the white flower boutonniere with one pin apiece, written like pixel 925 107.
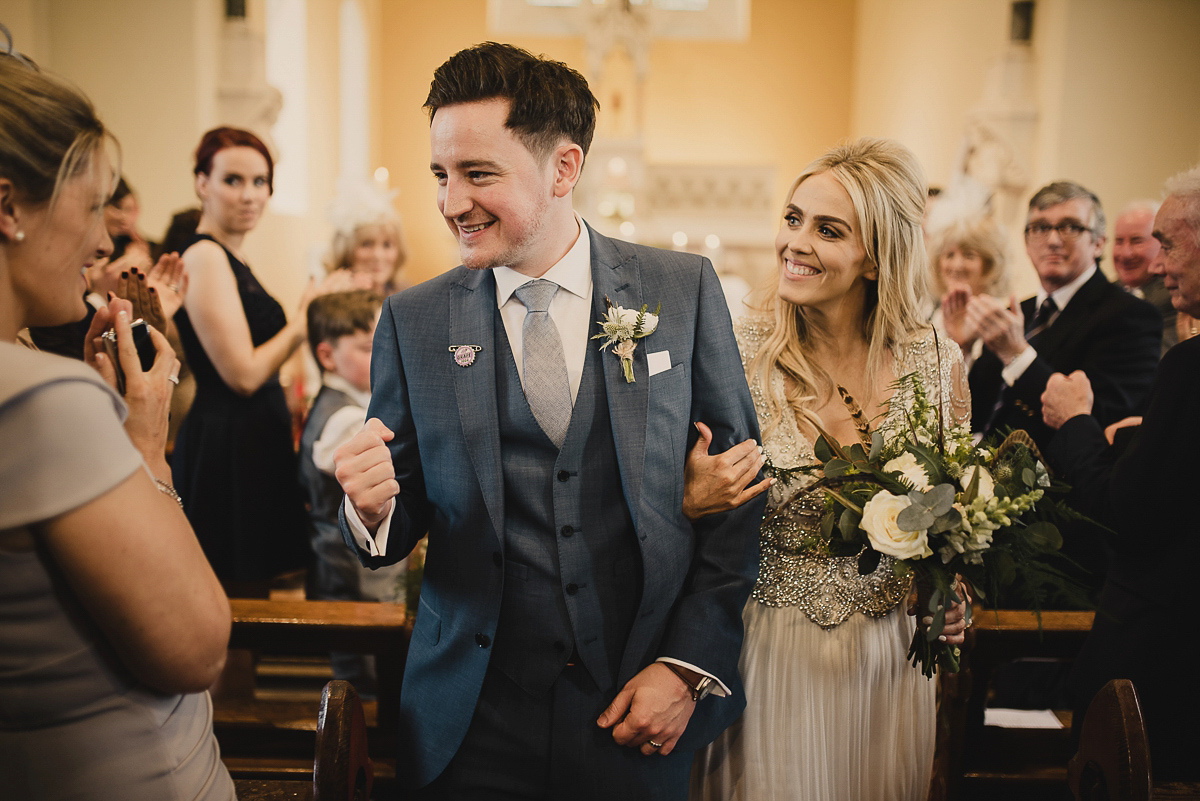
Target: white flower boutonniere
pixel 622 328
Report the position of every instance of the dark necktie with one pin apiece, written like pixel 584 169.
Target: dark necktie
pixel 1041 319
pixel 543 366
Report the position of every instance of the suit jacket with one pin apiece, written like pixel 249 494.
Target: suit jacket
pixel 1143 629
pixel 446 453
pixel 1104 331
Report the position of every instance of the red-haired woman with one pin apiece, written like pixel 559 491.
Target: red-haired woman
pixel 234 462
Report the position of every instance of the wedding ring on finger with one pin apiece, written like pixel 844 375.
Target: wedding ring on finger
pixel 174 288
pixel 174 379
pixel 654 745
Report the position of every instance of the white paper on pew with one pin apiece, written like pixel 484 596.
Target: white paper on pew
pixel 1021 718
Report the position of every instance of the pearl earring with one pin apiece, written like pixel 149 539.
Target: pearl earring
pixel 19 236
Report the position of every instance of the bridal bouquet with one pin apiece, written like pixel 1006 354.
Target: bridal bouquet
pixel 939 504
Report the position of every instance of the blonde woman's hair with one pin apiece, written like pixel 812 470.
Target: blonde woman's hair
pixel 980 235
pixel 887 187
pixel 49 131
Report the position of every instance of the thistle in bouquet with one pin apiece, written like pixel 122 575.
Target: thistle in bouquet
pixel 941 506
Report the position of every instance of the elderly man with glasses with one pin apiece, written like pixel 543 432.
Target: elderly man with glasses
pixel 1078 320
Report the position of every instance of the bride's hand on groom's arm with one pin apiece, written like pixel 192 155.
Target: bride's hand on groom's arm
pixel 654 706
pixel 363 466
pixel 720 482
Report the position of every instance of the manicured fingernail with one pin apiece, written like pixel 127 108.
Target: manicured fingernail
pixel 124 273
pixel 941 638
pixel 927 620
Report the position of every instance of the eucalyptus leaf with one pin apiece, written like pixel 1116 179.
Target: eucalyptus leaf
pixel 857 453
pixel 848 524
pixel 940 499
pixel 1044 535
pixel 822 450
pixel 948 521
pixel 827 527
pixel 868 561
pixel 915 518
pixel 876 445
pixel 836 467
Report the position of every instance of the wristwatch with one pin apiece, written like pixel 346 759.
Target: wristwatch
pixel 700 689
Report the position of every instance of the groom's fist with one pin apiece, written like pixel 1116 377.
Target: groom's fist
pixel 363 467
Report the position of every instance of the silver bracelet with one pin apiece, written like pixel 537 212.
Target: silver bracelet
pixel 168 490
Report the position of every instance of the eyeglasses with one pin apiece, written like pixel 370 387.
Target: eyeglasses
pixel 1067 231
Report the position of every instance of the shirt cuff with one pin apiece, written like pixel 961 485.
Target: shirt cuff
pixel 720 689
pixel 377 545
pixel 1013 371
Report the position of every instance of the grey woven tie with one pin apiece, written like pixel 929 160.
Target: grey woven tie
pixel 543 365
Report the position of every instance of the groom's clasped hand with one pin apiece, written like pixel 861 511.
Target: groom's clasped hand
pixel 363 467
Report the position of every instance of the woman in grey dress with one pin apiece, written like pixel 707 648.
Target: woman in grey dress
pixel 112 624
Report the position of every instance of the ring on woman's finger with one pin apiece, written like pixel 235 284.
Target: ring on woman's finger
pixel 174 379
pixel 173 287
pixel 653 744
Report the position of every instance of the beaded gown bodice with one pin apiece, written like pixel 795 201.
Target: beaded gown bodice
pixel 829 589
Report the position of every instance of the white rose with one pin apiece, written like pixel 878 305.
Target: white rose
pixel 911 472
pixel 649 322
pixel 987 487
pixel 879 521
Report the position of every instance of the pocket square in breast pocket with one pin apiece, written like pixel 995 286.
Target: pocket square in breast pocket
pixel 658 362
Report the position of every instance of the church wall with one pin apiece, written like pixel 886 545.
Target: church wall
pixel 778 99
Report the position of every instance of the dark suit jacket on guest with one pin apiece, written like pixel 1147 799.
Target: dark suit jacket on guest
pixel 1145 627
pixel 694 578
pixel 1104 331
pixel 1114 338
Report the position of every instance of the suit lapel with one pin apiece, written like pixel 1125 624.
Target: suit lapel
pixel 618 277
pixel 472 321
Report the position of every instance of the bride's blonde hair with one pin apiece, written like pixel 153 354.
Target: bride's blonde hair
pixel 887 187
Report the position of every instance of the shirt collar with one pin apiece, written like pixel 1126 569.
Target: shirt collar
pixel 573 272
pixel 1062 296
pixel 335 381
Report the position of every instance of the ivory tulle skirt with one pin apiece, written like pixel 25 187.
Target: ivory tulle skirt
pixel 831 715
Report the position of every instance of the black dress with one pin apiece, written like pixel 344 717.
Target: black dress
pixel 234 462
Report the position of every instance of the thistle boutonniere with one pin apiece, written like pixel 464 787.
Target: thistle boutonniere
pixel 622 328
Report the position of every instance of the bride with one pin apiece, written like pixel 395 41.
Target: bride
pixel 834 710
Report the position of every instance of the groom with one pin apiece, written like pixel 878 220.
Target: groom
pixel 577 636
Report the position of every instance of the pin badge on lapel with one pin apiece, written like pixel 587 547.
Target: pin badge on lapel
pixel 464 355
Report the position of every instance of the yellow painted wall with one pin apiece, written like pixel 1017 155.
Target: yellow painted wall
pixel 779 98
pixel 1115 84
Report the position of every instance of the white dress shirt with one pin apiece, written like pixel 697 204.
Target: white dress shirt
pixel 1062 296
pixel 342 425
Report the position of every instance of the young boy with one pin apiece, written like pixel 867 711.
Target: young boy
pixel 340 329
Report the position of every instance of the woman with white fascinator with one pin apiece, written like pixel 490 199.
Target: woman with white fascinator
pixel 367 239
